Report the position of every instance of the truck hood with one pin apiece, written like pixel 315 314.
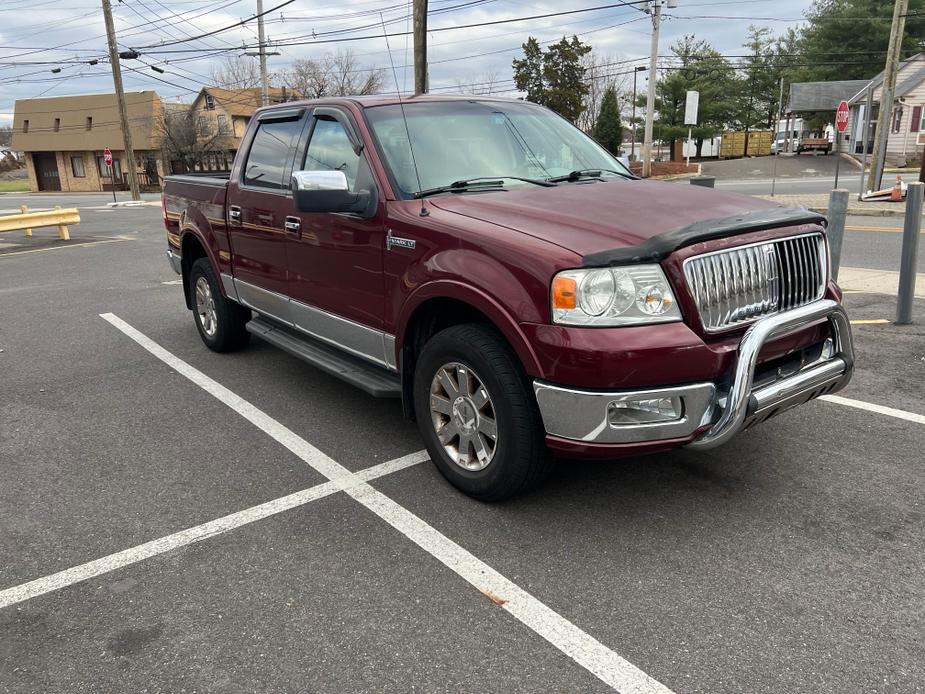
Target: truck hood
pixel 593 217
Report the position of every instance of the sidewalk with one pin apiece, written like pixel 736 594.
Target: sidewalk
pixel 865 281
pixel 819 202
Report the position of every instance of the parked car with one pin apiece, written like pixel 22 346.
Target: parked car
pixel 509 281
pixel 814 144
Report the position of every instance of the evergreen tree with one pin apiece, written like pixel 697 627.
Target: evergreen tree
pixel 848 39
pixel 608 130
pixel 554 78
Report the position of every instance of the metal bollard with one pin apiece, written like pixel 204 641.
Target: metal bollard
pixel 908 262
pixel 835 229
pixel 705 181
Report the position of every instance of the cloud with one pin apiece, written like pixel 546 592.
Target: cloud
pixel 29 29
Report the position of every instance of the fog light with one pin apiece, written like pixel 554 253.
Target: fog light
pixel 644 411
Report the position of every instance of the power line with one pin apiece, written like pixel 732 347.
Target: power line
pixel 223 29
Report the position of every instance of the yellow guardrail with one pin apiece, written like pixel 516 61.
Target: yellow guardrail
pixel 27 221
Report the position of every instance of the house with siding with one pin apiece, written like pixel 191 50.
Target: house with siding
pixel 906 126
pixel 63 139
pixel 222 116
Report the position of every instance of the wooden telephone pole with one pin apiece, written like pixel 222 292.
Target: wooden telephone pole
pixel 120 98
pixel 420 47
pixel 887 90
pixel 262 52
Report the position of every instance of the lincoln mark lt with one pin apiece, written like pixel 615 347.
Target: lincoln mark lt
pixel 519 291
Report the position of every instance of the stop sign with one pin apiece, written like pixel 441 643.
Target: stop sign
pixel 107 156
pixel 841 117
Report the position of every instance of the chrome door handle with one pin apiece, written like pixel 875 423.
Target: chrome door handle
pixel 234 212
pixel 293 224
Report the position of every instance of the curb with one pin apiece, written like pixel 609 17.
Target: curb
pixel 863 212
pixel 134 203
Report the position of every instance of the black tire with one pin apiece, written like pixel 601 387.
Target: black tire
pixel 520 459
pixel 229 333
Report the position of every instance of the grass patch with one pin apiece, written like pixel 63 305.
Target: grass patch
pixel 14 186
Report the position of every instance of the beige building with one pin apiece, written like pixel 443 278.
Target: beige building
pixel 63 139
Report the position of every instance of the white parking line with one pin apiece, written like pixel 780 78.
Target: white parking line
pixel 219 526
pixel 879 409
pixel 578 645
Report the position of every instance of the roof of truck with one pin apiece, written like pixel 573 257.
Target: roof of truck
pixel 392 99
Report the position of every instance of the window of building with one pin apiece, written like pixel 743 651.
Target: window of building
pixel 89 122
pixel 921 119
pixel 201 127
pixel 25 126
pixel 77 167
pixel 210 102
pixel 268 159
pixel 114 172
pixel 57 124
pixel 897 119
pixel 222 125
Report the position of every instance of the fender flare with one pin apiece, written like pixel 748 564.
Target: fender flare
pixel 480 301
pixel 189 227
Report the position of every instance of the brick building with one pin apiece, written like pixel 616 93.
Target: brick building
pixel 63 139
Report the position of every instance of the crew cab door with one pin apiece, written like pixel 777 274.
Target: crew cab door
pixel 335 259
pixel 258 204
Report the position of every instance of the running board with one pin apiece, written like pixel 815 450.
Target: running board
pixel 374 380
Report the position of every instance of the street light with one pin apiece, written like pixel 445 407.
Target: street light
pixel 639 68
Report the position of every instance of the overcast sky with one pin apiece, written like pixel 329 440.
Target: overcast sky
pixel 30 29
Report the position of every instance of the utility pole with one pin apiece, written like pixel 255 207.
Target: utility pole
pixel 420 47
pixel 636 71
pixel 120 99
pixel 262 51
pixel 887 90
pixel 650 99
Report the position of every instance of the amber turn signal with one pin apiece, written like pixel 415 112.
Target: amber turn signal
pixel 564 292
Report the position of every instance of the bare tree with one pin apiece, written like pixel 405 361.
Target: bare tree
pixel 599 69
pixel 236 72
pixel 6 135
pixel 188 140
pixel 338 74
pixel 480 85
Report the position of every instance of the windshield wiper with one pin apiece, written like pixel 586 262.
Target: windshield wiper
pixel 585 173
pixel 481 183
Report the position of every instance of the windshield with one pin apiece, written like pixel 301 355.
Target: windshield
pixel 462 140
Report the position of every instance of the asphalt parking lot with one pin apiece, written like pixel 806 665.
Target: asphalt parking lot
pixel 174 520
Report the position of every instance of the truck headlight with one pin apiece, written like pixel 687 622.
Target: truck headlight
pixel 601 297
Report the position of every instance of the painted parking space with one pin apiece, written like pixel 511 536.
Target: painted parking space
pixel 785 561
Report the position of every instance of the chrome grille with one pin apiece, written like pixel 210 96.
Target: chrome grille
pixel 736 286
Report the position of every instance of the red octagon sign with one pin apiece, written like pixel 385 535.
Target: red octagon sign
pixel 841 117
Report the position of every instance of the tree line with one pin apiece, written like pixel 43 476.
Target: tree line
pixel 841 40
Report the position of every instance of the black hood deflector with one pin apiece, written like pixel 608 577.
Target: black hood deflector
pixel 658 247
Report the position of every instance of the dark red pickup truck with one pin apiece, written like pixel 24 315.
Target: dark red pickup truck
pixel 521 292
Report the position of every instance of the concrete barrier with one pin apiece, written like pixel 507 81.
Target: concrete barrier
pixel 27 221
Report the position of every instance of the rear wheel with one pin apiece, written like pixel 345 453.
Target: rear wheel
pixel 221 323
pixel 478 415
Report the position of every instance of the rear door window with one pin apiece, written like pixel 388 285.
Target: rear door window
pixel 268 160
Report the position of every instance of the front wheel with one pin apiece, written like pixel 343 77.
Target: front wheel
pixel 478 415
pixel 221 322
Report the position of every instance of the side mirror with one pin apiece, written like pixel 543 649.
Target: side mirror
pixel 326 191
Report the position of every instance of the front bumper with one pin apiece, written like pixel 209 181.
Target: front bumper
pixel 710 413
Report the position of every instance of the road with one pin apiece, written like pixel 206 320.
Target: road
pixel 876 243
pixel 787 561
pixel 805 173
